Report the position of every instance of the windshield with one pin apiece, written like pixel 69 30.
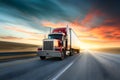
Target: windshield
pixel 55 36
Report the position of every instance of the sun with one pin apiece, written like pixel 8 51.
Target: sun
pixel 87 46
pixel 84 46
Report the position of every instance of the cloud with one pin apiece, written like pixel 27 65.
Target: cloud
pixel 30 13
pixel 52 24
pixel 110 8
pixel 34 35
pixel 75 25
pixel 18 29
pixel 37 8
pixel 93 18
pixel 59 10
pixel 82 6
pixel 10 38
pixel 106 33
pixel 102 32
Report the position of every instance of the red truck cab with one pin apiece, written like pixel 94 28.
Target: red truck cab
pixel 58 43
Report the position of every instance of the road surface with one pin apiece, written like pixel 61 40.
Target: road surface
pixel 85 66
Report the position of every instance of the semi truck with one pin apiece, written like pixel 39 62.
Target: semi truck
pixel 61 42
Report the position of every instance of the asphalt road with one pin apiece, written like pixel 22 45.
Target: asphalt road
pixel 85 66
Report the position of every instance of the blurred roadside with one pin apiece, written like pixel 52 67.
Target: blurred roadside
pixel 115 50
pixel 11 51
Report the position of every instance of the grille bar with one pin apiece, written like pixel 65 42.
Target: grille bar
pixel 47 45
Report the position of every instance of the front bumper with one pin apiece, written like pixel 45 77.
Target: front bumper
pixel 49 53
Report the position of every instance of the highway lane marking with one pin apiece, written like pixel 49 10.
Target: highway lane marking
pixel 62 71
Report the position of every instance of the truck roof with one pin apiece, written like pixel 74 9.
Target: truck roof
pixel 58 30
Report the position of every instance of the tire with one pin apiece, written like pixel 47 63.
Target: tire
pixel 64 53
pixel 42 57
pixel 62 56
pixel 71 53
pixel 78 51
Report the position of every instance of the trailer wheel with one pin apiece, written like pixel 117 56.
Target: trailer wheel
pixel 71 52
pixel 42 57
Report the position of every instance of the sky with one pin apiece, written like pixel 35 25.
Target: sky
pixel 95 22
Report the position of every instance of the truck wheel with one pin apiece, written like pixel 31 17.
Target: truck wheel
pixel 62 57
pixel 42 57
pixel 64 53
pixel 71 54
pixel 78 51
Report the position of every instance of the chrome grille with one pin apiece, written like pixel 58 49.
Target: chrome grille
pixel 47 45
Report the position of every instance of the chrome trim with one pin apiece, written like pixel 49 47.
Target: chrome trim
pixel 49 53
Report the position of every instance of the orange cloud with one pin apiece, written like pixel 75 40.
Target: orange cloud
pixel 92 14
pixel 51 24
pixel 75 25
pixel 18 29
pixel 110 33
